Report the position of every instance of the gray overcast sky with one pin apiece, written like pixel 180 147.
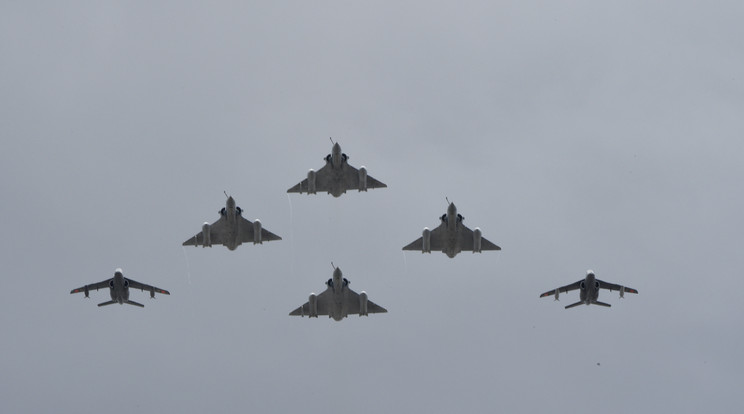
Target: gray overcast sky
pixel 579 135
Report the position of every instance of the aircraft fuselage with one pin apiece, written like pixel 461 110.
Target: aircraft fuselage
pixel 232 212
pixel 452 222
pixel 118 288
pixel 337 163
pixel 339 309
pixel 589 291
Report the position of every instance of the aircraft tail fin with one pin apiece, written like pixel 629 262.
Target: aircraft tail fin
pixel 131 302
pixel 574 304
pixel 602 304
pixel 111 302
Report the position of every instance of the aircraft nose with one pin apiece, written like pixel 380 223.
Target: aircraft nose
pixel 230 201
pixel 336 147
pixel 118 271
pixel 452 209
pixel 337 273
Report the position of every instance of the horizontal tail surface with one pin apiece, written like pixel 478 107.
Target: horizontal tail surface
pixel 131 302
pixel 574 304
pixel 602 304
pixel 111 302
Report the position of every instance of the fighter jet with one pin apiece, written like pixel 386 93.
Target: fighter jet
pixel 338 301
pixel 336 177
pixel 119 289
pixel 589 287
pixel 231 230
pixel 451 237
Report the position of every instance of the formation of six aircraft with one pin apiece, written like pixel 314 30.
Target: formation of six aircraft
pixel 338 300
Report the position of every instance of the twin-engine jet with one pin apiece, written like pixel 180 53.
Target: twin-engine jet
pixel 589 293
pixel 451 237
pixel 231 230
pixel 336 177
pixel 119 289
pixel 338 301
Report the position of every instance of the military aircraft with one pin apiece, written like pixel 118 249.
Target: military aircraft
pixel 589 287
pixel 451 237
pixel 231 230
pixel 336 176
pixel 338 301
pixel 119 289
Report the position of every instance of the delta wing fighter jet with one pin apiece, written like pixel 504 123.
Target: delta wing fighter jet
pixel 589 290
pixel 338 301
pixel 119 289
pixel 451 237
pixel 231 230
pixel 336 177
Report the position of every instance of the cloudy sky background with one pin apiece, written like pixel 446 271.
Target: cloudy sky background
pixel 575 135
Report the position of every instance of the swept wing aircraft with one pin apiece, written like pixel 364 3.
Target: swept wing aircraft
pixel 451 237
pixel 589 290
pixel 336 176
pixel 231 230
pixel 119 289
pixel 338 301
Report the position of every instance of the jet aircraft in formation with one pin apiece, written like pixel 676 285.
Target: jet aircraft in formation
pixel 336 176
pixel 119 289
pixel 338 301
pixel 589 290
pixel 451 237
pixel 231 230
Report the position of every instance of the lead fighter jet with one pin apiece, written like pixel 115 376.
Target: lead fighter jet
pixel 336 177
pixel 451 237
pixel 589 287
pixel 338 301
pixel 119 289
pixel 231 230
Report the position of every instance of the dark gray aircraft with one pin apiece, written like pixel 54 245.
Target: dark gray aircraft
pixel 589 293
pixel 338 301
pixel 119 289
pixel 336 177
pixel 231 230
pixel 451 237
